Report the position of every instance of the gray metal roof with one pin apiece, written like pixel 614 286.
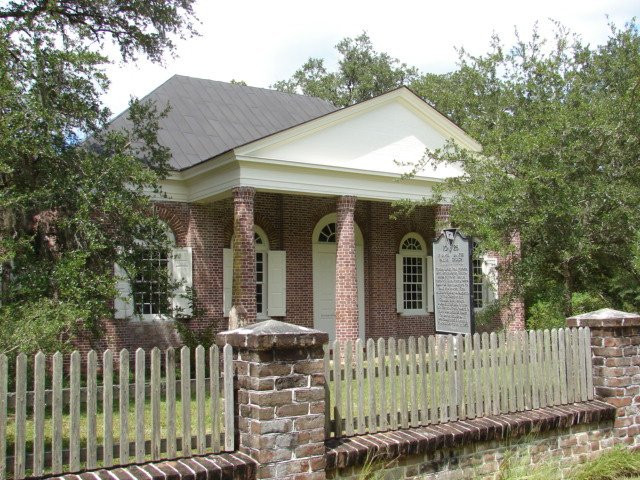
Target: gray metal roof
pixel 208 118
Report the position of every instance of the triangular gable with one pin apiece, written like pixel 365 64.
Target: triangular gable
pixel 375 136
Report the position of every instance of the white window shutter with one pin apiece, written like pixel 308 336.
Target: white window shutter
pixel 182 273
pixel 399 285
pixel 227 280
pixel 490 279
pixel 430 284
pixel 277 283
pixel 123 303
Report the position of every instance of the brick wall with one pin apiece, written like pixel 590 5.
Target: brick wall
pixel 615 347
pixel 288 221
pixel 557 449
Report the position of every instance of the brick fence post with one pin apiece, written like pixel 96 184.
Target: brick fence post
pixel 615 348
pixel 280 398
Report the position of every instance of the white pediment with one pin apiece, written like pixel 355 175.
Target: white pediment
pixel 382 135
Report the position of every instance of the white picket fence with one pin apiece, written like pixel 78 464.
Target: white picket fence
pixel 391 385
pixel 56 430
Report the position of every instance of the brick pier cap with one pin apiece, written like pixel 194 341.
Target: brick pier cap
pixel 605 317
pixel 272 334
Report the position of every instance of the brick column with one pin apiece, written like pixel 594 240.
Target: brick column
pixel 244 256
pixel 442 215
pixel 280 398
pixel 615 347
pixel 346 275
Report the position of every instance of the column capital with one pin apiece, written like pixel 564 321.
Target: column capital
pixel 243 193
pixel 346 203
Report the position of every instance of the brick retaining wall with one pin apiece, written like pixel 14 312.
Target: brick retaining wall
pixel 477 448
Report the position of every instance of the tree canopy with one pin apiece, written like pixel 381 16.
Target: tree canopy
pixel 362 73
pixel 559 124
pixel 559 121
pixel 74 195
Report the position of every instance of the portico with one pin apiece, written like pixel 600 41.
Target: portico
pixel 296 223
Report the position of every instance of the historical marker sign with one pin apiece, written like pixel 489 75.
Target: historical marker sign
pixel 452 283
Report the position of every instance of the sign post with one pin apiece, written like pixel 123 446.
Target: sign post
pixel 452 283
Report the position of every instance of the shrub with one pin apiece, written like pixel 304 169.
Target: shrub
pixel 545 314
pixel 583 302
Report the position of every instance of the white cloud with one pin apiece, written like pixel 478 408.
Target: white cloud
pixel 263 41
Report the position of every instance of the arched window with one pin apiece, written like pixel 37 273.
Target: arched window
pixel 412 276
pixel 328 233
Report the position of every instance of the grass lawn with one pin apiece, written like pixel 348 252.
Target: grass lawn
pixel 66 424
pixel 616 464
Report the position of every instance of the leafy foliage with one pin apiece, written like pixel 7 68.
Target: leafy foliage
pixel 73 194
pixel 558 122
pixel 362 74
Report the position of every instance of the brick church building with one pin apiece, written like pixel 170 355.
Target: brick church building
pixel 281 204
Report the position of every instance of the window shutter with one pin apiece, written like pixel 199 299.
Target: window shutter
pixel 399 285
pixel 123 303
pixel 277 283
pixel 227 280
pixel 430 284
pixel 181 271
pixel 490 280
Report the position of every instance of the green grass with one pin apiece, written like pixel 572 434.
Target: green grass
pixel 616 464
pixel 66 424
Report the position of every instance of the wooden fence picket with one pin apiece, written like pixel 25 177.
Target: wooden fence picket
pixel 170 378
pixel 327 385
pixel 371 377
pixel 107 408
pixel 185 398
pixel 38 414
pixel 123 406
pixel 338 412
pixel 441 354
pixel 74 413
pixel 201 444
pixel 477 375
pixel 413 382
pixel 434 414
pixel 587 359
pixel 424 394
pixel 92 409
pixel 139 405
pixel 214 385
pixel 393 400
pixel 155 403
pixel 451 382
pixel 229 433
pixel 383 425
pixel 360 386
pixel 348 389
pixel 402 355
pixel 56 414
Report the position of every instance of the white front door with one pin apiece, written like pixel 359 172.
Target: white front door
pixel 324 288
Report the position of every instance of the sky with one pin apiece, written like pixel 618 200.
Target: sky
pixel 261 41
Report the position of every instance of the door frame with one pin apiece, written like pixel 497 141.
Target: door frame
pixel 318 247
